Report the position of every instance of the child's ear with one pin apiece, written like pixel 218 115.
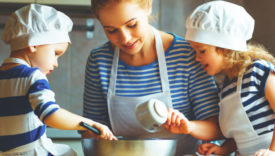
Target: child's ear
pixel 32 49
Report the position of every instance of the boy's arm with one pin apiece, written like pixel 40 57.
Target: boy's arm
pixel 63 119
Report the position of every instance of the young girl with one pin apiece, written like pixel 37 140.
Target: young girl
pixel 140 63
pixel 38 36
pixel 218 31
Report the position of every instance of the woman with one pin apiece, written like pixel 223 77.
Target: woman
pixel 140 63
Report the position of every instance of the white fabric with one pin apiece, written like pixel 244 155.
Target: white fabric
pixel 222 24
pixel 234 123
pixel 41 147
pixel 122 109
pixel 36 24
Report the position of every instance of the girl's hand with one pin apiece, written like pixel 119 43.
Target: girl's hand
pixel 264 152
pixel 209 148
pixel 177 123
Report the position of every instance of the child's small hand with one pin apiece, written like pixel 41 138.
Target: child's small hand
pixel 264 152
pixel 105 132
pixel 209 148
pixel 177 123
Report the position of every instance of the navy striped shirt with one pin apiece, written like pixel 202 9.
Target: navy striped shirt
pixel 253 97
pixel 193 92
pixel 25 101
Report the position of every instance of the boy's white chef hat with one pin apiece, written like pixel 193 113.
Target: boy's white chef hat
pixel 36 24
pixel 222 24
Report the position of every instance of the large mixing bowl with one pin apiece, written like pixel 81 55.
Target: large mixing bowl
pixel 128 147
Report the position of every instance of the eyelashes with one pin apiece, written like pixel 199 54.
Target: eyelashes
pixel 132 26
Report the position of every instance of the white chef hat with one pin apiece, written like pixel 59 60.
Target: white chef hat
pixel 36 24
pixel 222 24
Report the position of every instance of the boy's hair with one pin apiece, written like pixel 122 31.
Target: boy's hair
pixel 36 24
pixel 236 62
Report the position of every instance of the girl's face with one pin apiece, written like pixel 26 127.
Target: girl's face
pixel 126 25
pixel 45 56
pixel 209 58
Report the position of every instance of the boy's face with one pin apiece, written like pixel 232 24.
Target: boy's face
pixel 209 58
pixel 45 56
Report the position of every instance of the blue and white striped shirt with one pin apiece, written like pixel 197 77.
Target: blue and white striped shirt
pixel 253 97
pixel 193 92
pixel 25 101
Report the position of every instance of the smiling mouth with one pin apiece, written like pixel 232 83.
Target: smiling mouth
pixel 131 46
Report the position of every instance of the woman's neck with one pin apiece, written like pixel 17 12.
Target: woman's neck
pixel 145 56
pixel 148 53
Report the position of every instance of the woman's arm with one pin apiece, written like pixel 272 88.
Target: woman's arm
pixel 94 100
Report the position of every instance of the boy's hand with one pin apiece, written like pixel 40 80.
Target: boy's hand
pixel 104 130
pixel 209 148
pixel 177 123
pixel 106 133
pixel 264 152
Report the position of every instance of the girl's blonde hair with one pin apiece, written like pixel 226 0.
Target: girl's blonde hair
pixel 99 4
pixel 236 62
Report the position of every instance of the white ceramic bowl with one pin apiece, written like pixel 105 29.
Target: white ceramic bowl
pixel 151 114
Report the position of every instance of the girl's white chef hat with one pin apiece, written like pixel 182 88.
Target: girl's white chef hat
pixel 36 24
pixel 222 24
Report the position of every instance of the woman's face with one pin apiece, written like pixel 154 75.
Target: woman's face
pixel 209 58
pixel 126 25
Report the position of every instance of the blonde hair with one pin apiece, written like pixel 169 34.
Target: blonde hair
pixel 236 62
pixel 99 4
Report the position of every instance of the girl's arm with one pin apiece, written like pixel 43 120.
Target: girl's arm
pixel 206 129
pixel 201 129
pixel 270 95
pixel 226 148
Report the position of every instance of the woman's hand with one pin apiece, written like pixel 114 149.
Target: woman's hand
pixel 264 152
pixel 177 123
pixel 209 148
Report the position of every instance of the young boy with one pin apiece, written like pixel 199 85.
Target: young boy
pixel 38 36
pixel 219 32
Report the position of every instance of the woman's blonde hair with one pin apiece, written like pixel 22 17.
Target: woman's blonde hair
pixel 99 4
pixel 236 62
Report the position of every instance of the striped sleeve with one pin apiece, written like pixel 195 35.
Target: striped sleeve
pixel 255 103
pixel 95 104
pixel 41 98
pixel 260 72
pixel 203 92
pixel 193 92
